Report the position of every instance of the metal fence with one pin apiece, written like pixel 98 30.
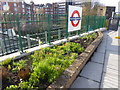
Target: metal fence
pixel 22 31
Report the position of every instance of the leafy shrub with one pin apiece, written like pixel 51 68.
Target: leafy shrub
pixel 90 36
pixel 48 64
pixel 6 62
pixel 12 87
pixel 25 85
pixel 19 65
pixel 73 47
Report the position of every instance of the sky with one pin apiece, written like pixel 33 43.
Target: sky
pixel 105 2
pixel 111 3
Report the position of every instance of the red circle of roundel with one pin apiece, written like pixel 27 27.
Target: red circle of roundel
pixel 75 12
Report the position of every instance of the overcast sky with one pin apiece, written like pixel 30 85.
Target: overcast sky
pixel 106 2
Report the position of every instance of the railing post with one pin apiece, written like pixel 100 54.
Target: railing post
pixel 88 18
pixel 67 34
pixel 46 37
pixel 19 32
pixel 95 22
pixel 28 40
pixel 59 34
pixel 39 41
pixel 4 38
pixel 2 46
pixel 78 32
pixel 49 28
pixel 104 22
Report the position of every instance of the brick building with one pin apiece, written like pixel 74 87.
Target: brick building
pixel 29 8
pixel 15 6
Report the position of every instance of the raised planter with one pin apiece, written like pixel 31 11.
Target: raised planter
pixel 70 74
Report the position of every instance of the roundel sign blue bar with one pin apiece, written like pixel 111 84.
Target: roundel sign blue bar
pixel 74 18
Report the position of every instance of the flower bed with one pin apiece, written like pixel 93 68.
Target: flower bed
pixel 43 67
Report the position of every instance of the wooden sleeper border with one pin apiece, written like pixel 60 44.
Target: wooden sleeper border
pixel 70 74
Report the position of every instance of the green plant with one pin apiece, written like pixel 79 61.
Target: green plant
pixel 47 64
pixel 6 62
pixel 89 37
pixel 45 72
pixel 73 47
pixel 19 65
pixel 49 67
pixel 12 87
pixel 25 85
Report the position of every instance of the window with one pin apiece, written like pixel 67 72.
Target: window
pixel 15 9
pixel 15 4
pixel 22 5
pixel 23 10
pixel 22 2
pixel 7 3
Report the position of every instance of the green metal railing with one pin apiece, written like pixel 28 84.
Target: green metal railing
pixel 19 32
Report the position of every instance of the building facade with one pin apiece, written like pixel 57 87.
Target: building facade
pixel 15 6
pixel 119 6
pixel 109 10
pixel 101 11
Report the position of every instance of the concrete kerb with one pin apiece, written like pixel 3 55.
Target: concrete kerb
pixel 70 74
pixel 18 55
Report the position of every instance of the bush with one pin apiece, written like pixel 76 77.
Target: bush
pixel 12 87
pixel 90 36
pixel 19 65
pixel 6 62
pixel 47 65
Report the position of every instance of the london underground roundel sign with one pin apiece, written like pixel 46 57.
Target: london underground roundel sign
pixel 74 18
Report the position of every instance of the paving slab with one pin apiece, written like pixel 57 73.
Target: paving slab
pixel 82 82
pixel 103 44
pixel 112 48
pixel 98 57
pixel 109 80
pixel 111 55
pixel 92 71
pixel 113 66
pixel 111 71
pixel 101 49
pixel 110 67
pixel 111 60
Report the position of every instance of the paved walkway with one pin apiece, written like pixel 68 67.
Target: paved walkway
pixel 102 69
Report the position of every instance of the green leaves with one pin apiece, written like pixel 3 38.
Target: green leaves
pixel 50 62
pixel 12 87
pixel 19 65
pixel 25 85
pixel 47 64
pixel 6 62
pixel 90 36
